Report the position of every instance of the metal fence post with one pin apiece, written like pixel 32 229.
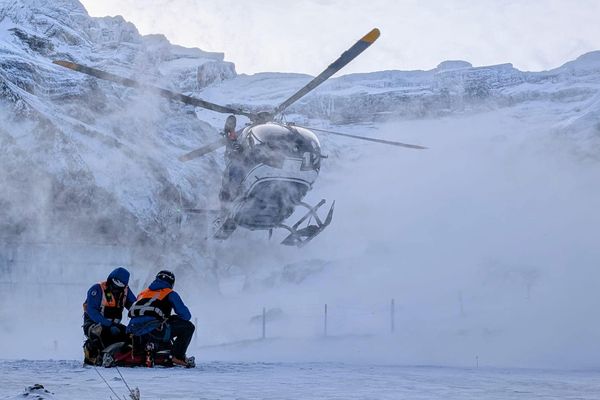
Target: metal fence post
pixel 392 316
pixel 264 323
pixel 325 322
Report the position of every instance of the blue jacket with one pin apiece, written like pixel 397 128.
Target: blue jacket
pixel 94 297
pixel 141 326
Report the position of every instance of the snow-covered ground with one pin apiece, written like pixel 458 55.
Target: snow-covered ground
pixel 322 381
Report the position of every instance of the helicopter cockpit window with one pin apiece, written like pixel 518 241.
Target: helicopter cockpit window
pixel 265 152
pixel 273 147
pixel 311 161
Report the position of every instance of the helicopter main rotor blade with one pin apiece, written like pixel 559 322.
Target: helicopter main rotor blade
pixel 334 67
pixel 160 91
pixel 203 150
pixel 390 142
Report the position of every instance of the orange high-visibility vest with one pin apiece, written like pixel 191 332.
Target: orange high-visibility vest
pixel 152 303
pixel 110 306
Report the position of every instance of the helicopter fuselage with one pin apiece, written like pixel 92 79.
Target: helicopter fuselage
pixel 276 165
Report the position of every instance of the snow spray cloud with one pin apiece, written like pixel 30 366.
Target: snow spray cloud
pixel 487 242
pixel 73 208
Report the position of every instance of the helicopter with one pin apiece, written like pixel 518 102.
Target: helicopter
pixel 270 165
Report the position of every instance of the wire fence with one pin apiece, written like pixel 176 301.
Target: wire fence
pixel 301 321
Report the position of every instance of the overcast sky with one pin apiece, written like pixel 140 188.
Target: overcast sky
pixel 306 35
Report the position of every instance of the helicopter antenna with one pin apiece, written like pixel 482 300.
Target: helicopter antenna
pixel 389 142
pixel 334 67
pixel 154 89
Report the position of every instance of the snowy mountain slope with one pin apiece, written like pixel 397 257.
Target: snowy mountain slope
pixel 453 87
pixel 100 157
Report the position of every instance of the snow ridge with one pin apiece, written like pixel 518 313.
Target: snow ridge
pixel 452 87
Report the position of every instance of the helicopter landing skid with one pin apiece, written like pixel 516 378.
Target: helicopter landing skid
pixel 225 229
pixel 300 237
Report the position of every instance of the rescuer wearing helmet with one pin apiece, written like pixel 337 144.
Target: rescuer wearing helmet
pixel 151 315
pixel 102 313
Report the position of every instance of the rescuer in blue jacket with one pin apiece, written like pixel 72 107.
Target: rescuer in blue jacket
pixel 102 313
pixel 151 315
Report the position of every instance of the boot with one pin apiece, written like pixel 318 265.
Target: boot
pixel 187 362
pixel 90 353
